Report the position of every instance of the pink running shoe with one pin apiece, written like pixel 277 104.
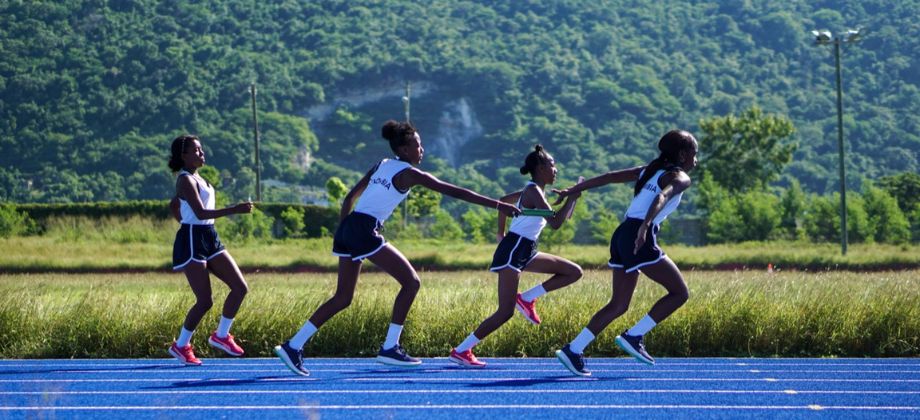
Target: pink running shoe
pixel 226 344
pixel 466 359
pixel 186 354
pixel 528 309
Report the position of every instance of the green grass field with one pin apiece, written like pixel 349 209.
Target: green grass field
pixel 730 313
pixel 98 252
pixel 77 244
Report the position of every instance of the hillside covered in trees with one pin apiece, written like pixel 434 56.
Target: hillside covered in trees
pixel 92 91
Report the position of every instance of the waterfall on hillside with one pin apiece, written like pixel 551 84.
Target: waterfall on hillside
pixel 456 127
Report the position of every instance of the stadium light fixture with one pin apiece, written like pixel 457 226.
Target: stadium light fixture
pixel 824 37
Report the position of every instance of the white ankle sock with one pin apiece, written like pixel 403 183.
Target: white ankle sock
pixel 185 337
pixel 223 328
pixel 643 326
pixel 468 343
pixel 393 334
pixel 299 339
pixel 534 292
pixel 584 338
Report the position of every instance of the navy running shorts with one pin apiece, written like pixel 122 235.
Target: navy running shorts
pixel 515 252
pixel 358 237
pixel 623 243
pixel 197 243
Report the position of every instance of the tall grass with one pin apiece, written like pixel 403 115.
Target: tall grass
pixel 80 246
pixel 741 313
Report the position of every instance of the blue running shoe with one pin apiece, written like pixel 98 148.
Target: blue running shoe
pixel 633 345
pixel 292 358
pixel 572 361
pixel 397 356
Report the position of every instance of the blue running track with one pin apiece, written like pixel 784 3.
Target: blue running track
pixel 507 388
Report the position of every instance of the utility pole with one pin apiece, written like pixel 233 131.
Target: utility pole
pixel 406 99
pixel 255 130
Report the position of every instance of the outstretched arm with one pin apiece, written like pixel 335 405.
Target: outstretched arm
pixel 533 198
pixel 411 177
pixel 613 177
pixel 675 183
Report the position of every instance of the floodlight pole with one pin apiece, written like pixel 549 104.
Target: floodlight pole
pixel 843 178
pixel 823 38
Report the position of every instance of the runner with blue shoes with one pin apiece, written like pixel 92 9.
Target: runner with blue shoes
pixel 634 246
pixel 383 188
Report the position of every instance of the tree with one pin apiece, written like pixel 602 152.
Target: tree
pixel 905 188
pixel 335 191
pixel 445 227
pixel 746 152
pixel 822 219
pixel 890 224
pixel 752 216
pixel 480 224
pixel 793 203
pixel 603 225
pixel 423 202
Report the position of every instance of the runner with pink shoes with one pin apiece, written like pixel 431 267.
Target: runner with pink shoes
pixel 517 252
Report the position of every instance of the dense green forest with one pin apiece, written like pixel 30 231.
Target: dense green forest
pixel 92 91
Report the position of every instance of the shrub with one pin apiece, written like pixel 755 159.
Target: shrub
pixel 13 222
pixel 480 224
pixel 292 219
pixel 245 227
pixel 603 226
pixel 445 227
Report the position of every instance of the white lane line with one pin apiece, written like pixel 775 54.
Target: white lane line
pixel 198 370
pixel 415 379
pixel 224 408
pixel 202 380
pixel 452 379
pixel 467 391
pixel 363 362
